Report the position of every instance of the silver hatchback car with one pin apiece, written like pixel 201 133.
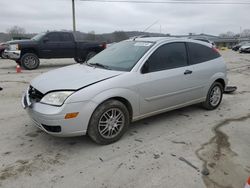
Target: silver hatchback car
pixel 128 81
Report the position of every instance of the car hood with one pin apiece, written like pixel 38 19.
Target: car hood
pixel 72 77
pixel 22 42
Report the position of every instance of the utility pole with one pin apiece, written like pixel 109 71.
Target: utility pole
pixel 74 16
pixel 240 34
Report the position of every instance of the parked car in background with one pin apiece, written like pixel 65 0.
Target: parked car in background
pixel 128 81
pixel 245 48
pixel 51 45
pixel 2 48
pixel 237 46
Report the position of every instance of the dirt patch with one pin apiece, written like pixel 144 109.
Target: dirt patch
pixel 218 159
pixel 28 167
pixel 33 134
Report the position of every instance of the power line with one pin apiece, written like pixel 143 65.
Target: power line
pixel 173 2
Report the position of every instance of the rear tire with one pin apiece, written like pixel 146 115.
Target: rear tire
pixel 90 55
pixel 79 60
pixel 108 122
pixel 30 61
pixel 214 96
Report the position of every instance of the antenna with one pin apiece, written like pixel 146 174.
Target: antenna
pixel 151 25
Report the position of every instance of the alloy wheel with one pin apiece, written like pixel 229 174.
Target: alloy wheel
pixel 215 96
pixel 111 123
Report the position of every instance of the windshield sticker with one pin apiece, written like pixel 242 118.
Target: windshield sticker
pixel 145 44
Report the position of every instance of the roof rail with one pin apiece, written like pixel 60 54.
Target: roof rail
pixel 140 36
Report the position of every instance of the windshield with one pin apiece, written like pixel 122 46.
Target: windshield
pixel 38 36
pixel 121 56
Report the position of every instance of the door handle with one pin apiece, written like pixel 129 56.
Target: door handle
pixel 188 72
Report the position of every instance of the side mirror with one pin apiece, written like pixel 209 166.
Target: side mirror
pixel 145 68
pixel 45 39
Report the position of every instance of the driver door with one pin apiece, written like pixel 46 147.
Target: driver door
pixel 49 47
pixel 165 79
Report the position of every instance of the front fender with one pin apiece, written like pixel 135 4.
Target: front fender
pixel 131 96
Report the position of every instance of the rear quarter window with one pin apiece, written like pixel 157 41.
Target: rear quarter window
pixel 53 37
pixel 199 53
pixel 66 37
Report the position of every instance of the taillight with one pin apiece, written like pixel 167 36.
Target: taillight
pixel 104 45
pixel 216 50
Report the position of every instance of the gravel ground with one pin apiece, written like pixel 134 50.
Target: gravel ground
pixel 189 147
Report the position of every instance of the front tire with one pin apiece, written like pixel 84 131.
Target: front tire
pixel 108 122
pixel 214 96
pixel 2 55
pixel 30 61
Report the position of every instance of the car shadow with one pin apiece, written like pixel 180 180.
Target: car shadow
pixel 46 64
pixel 147 124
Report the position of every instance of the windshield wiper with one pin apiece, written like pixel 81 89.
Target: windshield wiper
pixel 99 65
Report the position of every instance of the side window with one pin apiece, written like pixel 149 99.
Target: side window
pixel 66 37
pixel 53 37
pixel 168 56
pixel 199 53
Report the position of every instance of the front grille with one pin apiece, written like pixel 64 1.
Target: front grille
pixel 7 47
pixel 35 95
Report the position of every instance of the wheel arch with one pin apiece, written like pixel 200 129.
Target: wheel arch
pixel 222 82
pixel 29 50
pixel 94 49
pixel 125 102
pixel 219 77
pixel 128 97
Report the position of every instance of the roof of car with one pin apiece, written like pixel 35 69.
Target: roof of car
pixel 153 39
pixel 165 39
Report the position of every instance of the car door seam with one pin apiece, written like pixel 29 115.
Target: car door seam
pixel 173 93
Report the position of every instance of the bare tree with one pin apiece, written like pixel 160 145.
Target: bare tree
pixel 245 33
pixel 16 31
pixel 227 34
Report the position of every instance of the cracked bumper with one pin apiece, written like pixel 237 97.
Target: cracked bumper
pixel 47 116
pixel 15 54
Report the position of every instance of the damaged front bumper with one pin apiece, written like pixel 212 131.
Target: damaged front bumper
pixel 12 54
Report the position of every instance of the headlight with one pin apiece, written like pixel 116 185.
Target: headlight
pixel 56 98
pixel 13 47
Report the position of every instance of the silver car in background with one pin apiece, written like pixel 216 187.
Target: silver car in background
pixel 128 81
pixel 245 48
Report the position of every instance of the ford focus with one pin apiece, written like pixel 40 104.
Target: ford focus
pixel 126 82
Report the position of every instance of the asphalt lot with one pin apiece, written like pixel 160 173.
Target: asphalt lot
pixel 172 150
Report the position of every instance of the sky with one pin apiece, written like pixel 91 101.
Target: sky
pixel 37 16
